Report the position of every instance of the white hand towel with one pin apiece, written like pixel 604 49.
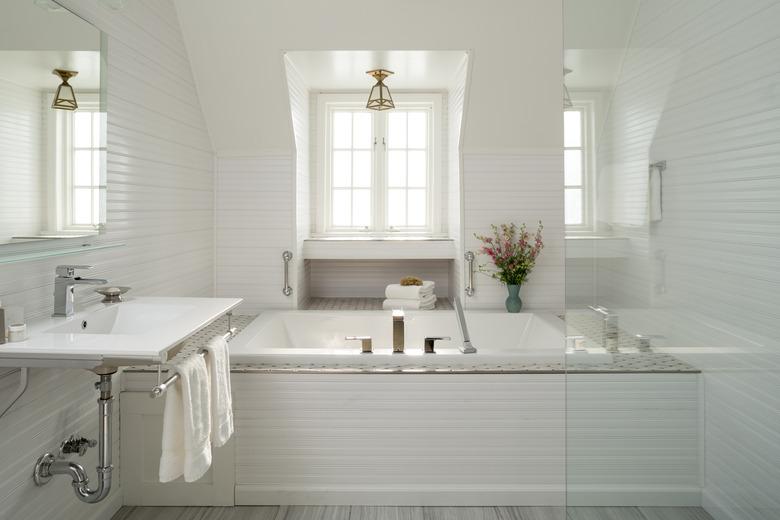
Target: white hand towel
pixel 654 190
pixel 218 362
pixel 186 446
pixel 425 304
pixel 409 292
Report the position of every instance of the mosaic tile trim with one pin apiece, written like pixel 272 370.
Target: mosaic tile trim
pixel 630 362
pixel 361 304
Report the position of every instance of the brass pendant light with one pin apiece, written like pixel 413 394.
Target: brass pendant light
pixel 379 98
pixel 64 98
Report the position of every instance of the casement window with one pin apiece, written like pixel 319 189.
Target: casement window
pixel 80 165
pixel 578 167
pixel 378 171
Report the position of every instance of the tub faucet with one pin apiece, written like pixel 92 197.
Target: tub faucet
pixel 398 331
pixel 64 283
pixel 609 330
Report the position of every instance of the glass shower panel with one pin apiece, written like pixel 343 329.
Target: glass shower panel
pixel 673 281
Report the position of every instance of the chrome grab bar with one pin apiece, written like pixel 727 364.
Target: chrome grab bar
pixel 160 389
pixel 467 347
pixel 469 256
pixel 287 256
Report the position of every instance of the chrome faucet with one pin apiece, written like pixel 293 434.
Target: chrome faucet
pixel 64 284
pixel 466 347
pixel 609 331
pixel 398 331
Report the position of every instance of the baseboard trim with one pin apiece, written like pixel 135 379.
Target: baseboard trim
pixel 646 497
pixel 266 495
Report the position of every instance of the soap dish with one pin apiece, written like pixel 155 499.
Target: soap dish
pixel 112 294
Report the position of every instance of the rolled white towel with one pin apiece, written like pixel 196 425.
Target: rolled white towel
pixel 425 304
pixel 409 292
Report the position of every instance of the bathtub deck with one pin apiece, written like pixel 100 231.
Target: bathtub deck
pixel 409 513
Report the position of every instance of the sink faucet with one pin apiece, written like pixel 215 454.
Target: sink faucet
pixel 398 331
pixel 64 283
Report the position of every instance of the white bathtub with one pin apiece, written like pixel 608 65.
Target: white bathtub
pixel 301 337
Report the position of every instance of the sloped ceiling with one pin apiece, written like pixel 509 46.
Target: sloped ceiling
pixel 236 48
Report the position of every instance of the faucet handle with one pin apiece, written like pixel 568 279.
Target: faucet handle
pixel 365 343
pixel 68 270
pixel 430 343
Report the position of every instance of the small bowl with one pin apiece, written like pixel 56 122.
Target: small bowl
pixel 112 294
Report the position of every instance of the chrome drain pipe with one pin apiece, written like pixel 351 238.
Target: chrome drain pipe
pixel 48 465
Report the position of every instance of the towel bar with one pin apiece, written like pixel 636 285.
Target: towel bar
pixel 160 389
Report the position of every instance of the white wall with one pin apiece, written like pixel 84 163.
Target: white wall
pixel 256 213
pixel 526 186
pixel 160 204
pixel 23 194
pixel 699 89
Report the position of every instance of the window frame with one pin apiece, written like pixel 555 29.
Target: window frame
pixel 63 124
pixel 587 111
pixel 327 103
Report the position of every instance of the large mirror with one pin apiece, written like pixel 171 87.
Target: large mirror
pixel 52 124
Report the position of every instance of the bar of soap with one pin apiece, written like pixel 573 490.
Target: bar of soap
pixel 411 280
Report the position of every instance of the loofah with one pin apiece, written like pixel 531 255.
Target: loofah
pixel 411 280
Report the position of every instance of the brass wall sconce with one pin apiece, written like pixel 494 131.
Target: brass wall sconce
pixel 64 98
pixel 379 98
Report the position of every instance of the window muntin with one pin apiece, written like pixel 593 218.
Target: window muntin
pixel 351 169
pixel 377 172
pixel 83 184
pixel 575 167
pixel 408 154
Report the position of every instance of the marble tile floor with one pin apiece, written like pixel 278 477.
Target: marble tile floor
pixel 409 513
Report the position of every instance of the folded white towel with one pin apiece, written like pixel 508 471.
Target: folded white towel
pixel 409 292
pixel 218 362
pixel 186 446
pixel 425 304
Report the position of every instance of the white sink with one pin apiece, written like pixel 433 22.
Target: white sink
pixel 134 332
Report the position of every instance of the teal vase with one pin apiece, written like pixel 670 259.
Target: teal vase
pixel 513 301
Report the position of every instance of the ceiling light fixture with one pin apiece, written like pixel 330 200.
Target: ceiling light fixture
pixel 566 96
pixel 64 98
pixel 379 98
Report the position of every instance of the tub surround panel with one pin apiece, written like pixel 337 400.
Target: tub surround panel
pixel 519 186
pixel 160 204
pixel 356 439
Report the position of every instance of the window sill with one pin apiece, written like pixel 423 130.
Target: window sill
pixel 378 248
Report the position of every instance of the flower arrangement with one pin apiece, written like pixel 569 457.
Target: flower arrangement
pixel 512 250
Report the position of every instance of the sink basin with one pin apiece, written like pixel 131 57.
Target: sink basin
pixel 124 319
pixel 138 331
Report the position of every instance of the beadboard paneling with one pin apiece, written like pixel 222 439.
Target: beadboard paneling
pixel 369 278
pixel 160 204
pixel 699 89
pixel 467 439
pixel 23 195
pixel 255 223
pixel 389 439
pixel 517 187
